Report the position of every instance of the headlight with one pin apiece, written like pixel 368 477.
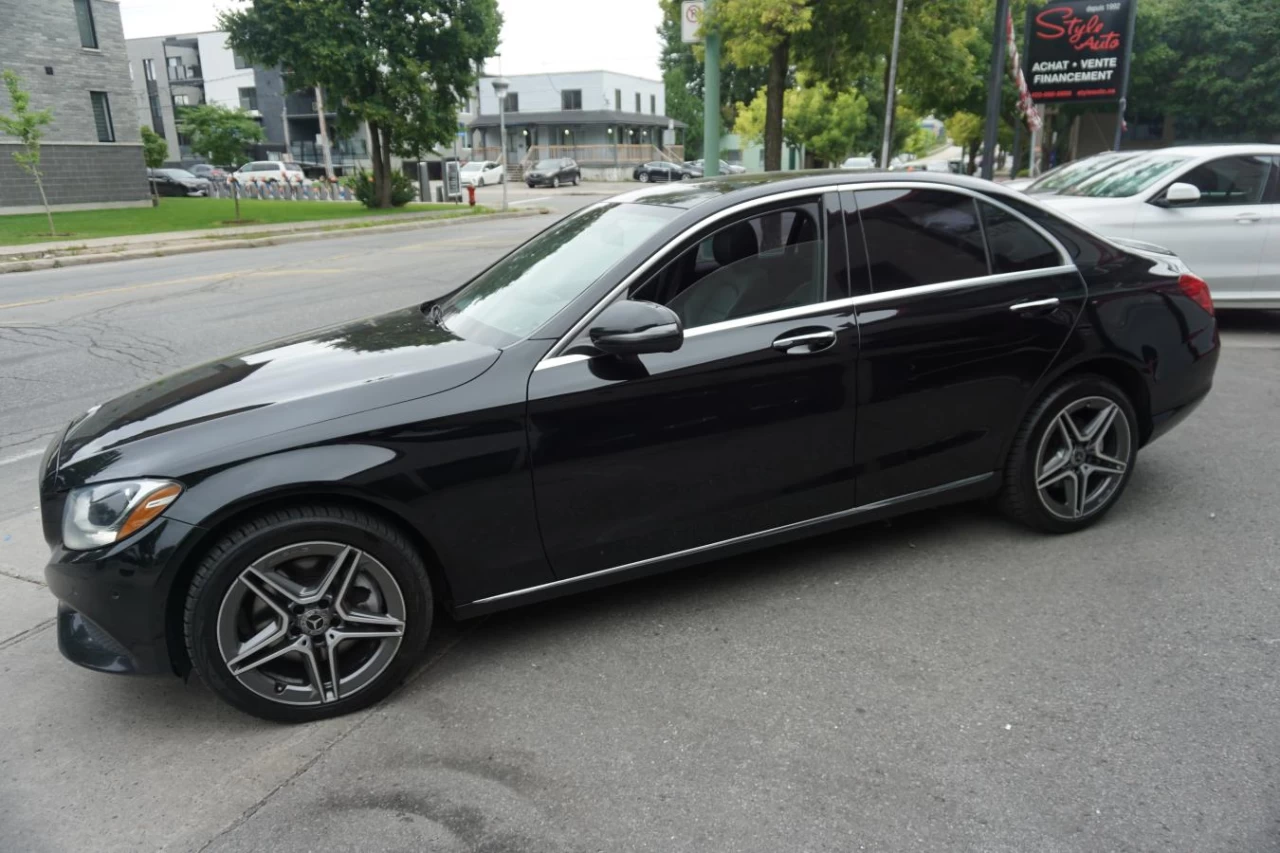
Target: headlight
pixel 108 512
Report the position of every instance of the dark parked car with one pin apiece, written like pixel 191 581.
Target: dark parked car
pixel 670 376
pixel 553 173
pixel 177 182
pixel 660 170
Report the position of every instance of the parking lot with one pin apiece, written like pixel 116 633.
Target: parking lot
pixel 946 681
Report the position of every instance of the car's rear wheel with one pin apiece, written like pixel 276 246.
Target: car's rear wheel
pixel 576 178
pixel 308 613
pixel 1073 456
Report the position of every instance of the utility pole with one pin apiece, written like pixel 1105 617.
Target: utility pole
pixel 1124 79
pixel 892 91
pixel 994 90
pixel 324 136
pixel 500 87
pixel 284 122
pixel 711 102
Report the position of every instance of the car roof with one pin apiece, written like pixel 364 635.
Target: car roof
pixel 1215 149
pixel 745 187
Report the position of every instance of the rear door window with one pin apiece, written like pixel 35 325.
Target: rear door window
pixel 1015 246
pixel 918 237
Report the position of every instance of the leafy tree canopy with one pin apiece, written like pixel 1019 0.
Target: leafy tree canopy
pixel 155 150
pixel 220 134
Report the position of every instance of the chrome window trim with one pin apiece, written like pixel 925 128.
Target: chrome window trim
pixel 553 358
pixel 747 537
pixel 838 304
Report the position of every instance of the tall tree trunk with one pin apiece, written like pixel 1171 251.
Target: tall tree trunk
pixel 778 63
pixel 973 158
pixel 375 155
pixel 384 194
pixel 45 201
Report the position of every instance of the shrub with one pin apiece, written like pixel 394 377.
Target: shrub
pixel 361 183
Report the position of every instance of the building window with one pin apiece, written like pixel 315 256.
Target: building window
pixel 512 102
pixel 617 99
pixel 249 98
pixel 240 61
pixel 149 69
pixel 84 18
pixel 176 71
pixel 638 103
pixel 182 100
pixel 102 116
pixel 653 105
pixel 157 121
pixel 571 99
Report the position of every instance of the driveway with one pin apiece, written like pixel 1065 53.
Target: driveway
pixel 943 682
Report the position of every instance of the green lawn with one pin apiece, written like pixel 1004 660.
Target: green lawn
pixel 185 214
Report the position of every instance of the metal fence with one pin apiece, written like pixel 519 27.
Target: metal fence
pixel 295 191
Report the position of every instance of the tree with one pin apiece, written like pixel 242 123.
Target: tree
pixel 1211 63
pixel 221 135
pixel 830 125
pixel 400 66
pixel 967 130
pixel 759 33
pixel 154 152
pixel 27 125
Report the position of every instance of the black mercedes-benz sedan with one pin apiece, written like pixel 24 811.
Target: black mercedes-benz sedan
pixel 669 376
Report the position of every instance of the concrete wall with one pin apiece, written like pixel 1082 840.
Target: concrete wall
pixel 222 80
pixel 41 36
pixel 75 175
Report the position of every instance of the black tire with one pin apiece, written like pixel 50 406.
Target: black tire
pixel 555 183
pixel 1019 498
pixel 480 181
pixel 575 180
pixel 529 185
pixel 224 562
pixel 644 177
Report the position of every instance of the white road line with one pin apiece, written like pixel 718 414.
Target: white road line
pixel 18 457
pixel 529 200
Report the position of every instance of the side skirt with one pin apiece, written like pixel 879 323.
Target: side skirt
pixel 970 488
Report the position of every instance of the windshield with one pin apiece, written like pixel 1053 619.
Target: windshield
pixel 1070 174
pixel 473 167
pixel 528 287
pixel 547 164
pixel 1127 179
pixel 175 173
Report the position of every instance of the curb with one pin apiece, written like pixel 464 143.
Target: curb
pixel 213 243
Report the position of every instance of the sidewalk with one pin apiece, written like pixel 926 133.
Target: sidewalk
pixel 79 252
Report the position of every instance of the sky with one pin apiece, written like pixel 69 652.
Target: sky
pixel 537 35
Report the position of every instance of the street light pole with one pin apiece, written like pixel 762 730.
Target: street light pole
pixel 324 136
pixel 500 87
pixel 887 144
pixel 711 102
pixel 995 90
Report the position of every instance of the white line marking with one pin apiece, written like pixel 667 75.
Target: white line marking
pixel 529 200
pixel 20 456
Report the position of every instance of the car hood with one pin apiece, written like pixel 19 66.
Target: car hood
pixel 305 379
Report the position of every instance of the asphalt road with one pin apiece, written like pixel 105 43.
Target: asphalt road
pixel 943 682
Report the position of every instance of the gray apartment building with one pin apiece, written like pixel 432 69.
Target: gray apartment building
pixel 71 57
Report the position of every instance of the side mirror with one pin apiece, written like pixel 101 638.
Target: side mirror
pixel 634 327
pixel 1180 194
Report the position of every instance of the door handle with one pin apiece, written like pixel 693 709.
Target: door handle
pixel 1247 218
pixel 813 341
pixel 1038 304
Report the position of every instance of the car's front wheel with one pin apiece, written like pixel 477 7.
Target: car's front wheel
pixel 1073 456
pixel 308 613
pixel 555 183
pixel 644 177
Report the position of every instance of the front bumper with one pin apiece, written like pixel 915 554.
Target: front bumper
pixel 113 601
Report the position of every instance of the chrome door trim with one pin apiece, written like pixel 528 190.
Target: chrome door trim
pixel 1051 302
pixel 825 337
pixel 553 358
pixel 737 540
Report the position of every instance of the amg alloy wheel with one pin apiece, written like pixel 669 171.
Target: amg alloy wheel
pixel 1073 456
pixel 308 613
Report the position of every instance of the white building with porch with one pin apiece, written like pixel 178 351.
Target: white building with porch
pixel 608 122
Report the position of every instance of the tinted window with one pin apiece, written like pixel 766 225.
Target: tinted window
pixel 84 20
pixel 917 237
pixel 764 263
pixel 1231 180
pixel 102 116
pixel 529 286
pixel 1014 245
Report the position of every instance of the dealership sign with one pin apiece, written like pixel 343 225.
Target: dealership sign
pixel 1078 50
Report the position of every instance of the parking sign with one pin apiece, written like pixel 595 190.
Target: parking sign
pixel 690 20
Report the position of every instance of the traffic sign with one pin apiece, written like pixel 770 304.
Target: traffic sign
pixel 690 19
